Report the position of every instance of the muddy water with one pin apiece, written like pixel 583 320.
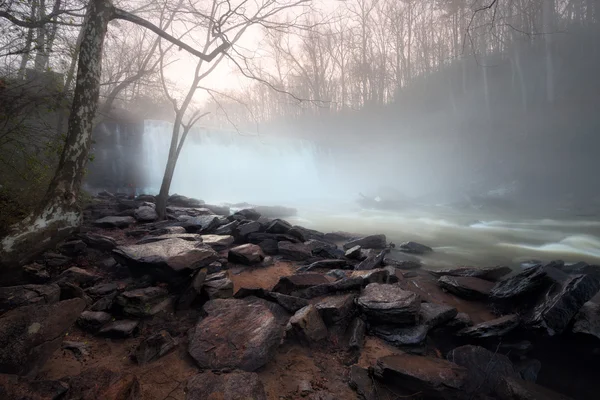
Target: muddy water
pixel 468 238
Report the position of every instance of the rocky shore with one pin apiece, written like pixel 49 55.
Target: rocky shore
pixel 211 304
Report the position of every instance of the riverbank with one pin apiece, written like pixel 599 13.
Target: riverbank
pixel 213 304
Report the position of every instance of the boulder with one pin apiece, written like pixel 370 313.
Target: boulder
pixel 12 297
pixel 104 303
pixel 145 214
pixel 119 329
pixel 402 264
pixel 525 283
pixel 556 310
pixel 353 253
pixel 587 320
pixel 433 377
pixel 294 251
pixel 201 224
pixel 305 234
pixel 400 336
pixel 248 254
pixel 236 334
pixel 235 385
pixel 466 287
pixel 390 304
pixel 183 201
pixel 247 213
pixel 492 274
pixel 13 387
pixel 170 260
pixel 368 242
pixel 93 321
pixel 371 262
pixel 307 325
pixel 336 309
pixel 154 347
pixel 218 242
pixel 246 228
pixel 192 291
pixel 36 273
pixel 29 335
pixel 494 328
pixel 258 237
pixel 78 276
pixel 114 222
pixel 289 303
pixel 143 302
pixel 278 226
pixel 218 286
pixel 102 383
pixel 414 248
pixel 341 285
pixel 486 369
pixel 293 283
pixel 227 229
pixel 433 315
pixel 362 383
pixel 519 389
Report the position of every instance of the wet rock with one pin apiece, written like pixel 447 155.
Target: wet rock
pixel 238 334
pixel 78 276
pixel 460 321
pixel 433 377
pixel 353 253
pixel 114 222
pixel 390 304
pixel 183 201
pixel 193 290
pixel 557 310
pixel 522 284
pixel 54 260
pixel 317 245
pixel 145 214
pixel 154 347
pixel 294 251
pixel 227 229
pixel 92 321
pixel 368 242
pixel 342 285
pixel 258 237
pixel 356 332
pixel 528 369
pixel 492 274
pixel 371 262
pixel 169 260
pixel 12 297
pixel 36 273
pixel 218 242
pixel 433 315
pixel 414 248
pixel 102 383
pixel 143 302
pixel 218 286
pixel 289 303
pixel 278 226
pixel 519 389
pixel 13 387
pixel 236 385
pixel 269 246
pixel 400 336
pixel 248 254
pixel 362 383
pixel 402 264
pixel 379 275
pixel 486 370
pixel 247 213
pixel 336 309
pixel 587 320
pixel 72 248
pixel 245 229
pixel 293 283
pixel 30 334
pixel 466 287
pixel 181 212
pixel 201 224
pixel 119 329
pixel 305 234
pixel 307 325
pixel 494 328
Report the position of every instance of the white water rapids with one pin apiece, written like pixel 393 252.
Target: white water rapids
pixel 229 167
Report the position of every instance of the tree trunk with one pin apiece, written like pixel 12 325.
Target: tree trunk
pixel 59 214
pixel 161 199
pixel 28 41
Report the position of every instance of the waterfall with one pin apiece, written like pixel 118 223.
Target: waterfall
pixel 227 166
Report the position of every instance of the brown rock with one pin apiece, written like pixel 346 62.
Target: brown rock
pixel 236 385
pixel 101 383
pixel 17 296
pixel 389 304
pixel 248 254
pixel 466 287
pixel 307 325
pixel 292 283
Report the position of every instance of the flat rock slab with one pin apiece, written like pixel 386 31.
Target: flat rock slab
pixel 341 285
pixel 432 376
pixel 492 274
pixel 389 304
pixel 466 287
pixel 143 302
pixel 145 214
pixel 236 385
pixel 555 313
pixel 294 251
pixel 307 325
pixel 494 328
pixel 368 242
pixel 237 334
pixel 218 242
pixel 247 254
pixel 400 336
pixel 337 309
pixel 29 335
pixel 167 260
pixel 201 224
pixel 114 222
pixel 12 297
pixel 191 237
pixel 520 285
pixel 587 320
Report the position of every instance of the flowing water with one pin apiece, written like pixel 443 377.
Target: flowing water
pixel 230 167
